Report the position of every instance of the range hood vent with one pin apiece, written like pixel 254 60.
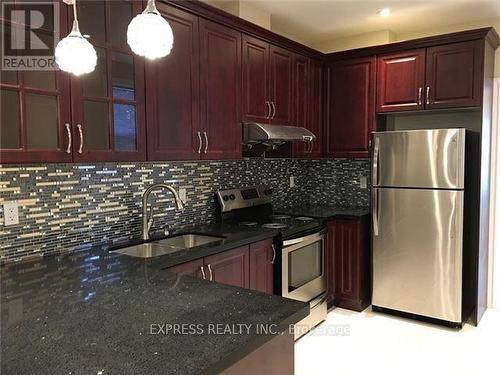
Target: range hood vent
pixel 259 138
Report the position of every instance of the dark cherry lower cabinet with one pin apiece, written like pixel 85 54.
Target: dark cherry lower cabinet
pixel 348 263
pixel 262 258
pixel 248 267
pixel 351 110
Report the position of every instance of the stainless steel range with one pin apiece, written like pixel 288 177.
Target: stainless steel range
pixel 300 262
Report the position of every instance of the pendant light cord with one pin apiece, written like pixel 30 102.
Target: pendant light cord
pixel 74 11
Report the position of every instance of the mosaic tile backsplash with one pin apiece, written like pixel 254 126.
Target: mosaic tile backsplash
pixel 65 207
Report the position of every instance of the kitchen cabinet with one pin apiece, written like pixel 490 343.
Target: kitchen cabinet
pixel 316 108
pixel 255 99
pixel 173 125
pixel 443 76
pixel 351 107
pixel 230 267
pixel 302 97
pixel 250 266
pixel 454 75
pixel 35 123
pixel 281 76
pixel 193 268
pixel 261 257
pixel 348 263
pixel 401 81
pixel 220 72
pixel 107 105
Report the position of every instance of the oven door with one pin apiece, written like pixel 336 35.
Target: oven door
pixel 303 267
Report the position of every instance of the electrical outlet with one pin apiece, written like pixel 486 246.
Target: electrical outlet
pixel 10 213
pixel 292 181
pixel 183 194
pixel 363 183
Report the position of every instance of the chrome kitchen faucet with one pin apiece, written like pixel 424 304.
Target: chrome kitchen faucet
pixel 147 218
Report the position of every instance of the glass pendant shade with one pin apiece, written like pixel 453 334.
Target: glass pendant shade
pixel 149 34
pixel 74 54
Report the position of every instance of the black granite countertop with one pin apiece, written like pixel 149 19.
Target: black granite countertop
pixel 99 312
pixel 325 212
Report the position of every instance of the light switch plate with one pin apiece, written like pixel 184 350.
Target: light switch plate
pixel 10 213
pixel 183 194
pixel 363 182
pixel 292 181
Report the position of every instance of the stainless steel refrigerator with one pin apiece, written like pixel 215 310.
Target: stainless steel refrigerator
pixel 417 212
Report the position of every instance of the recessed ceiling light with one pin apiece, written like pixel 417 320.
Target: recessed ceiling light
pixel 384 12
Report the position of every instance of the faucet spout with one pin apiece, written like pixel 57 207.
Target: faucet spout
pixel 147 218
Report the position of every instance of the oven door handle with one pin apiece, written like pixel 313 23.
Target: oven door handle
pixel 293 241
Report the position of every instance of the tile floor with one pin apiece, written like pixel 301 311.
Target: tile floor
pixel 374 343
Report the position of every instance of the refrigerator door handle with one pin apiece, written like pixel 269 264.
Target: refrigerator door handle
pixel 375 169
pixel 375 211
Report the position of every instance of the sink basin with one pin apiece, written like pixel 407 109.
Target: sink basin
pixel 168 245
pixel 186 241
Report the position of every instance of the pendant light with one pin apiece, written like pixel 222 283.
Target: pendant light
pixel 149 34
pixel 74 54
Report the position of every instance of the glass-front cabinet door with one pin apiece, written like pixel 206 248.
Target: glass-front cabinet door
pixel 35 110
pixel 108 104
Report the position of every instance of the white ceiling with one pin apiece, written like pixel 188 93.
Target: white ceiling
pixel 323 20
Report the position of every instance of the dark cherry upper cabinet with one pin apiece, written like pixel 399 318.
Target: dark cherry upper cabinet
pixel 454 75
pixel 351 107
pixel 281 76
pixel 35 118
pixel 108 106
pixel 230 267
pixel 220 72
pixel 401 81
pixel 348 269
pixel 301 91
pixel 193 268
pixel 316 107
pixel 262 257
pixel 255 100
pixel 173 92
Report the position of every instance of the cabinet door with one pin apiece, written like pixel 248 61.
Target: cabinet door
pixel 256 105
pixel 262 257
pixel 230 267
pixel 108 104
pixel 301 101
pixel 35 108
pixel 351 107
pixel 453 75
pixel 220 90
pixel 281 80
pixel 193 268
pixel 401 81
pixel 316 107
pixel 351 263
pixel 172 89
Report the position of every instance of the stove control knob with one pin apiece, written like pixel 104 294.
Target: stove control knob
pixel 232 197
pixel 225 198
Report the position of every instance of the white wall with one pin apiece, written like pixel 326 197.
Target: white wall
pixel 494 255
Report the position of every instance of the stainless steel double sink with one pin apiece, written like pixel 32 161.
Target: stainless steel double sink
pixel 168 245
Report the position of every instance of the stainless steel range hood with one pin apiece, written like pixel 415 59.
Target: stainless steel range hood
pixel 259 138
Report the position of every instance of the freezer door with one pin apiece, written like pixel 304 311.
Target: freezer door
pixel 417 251
pixel 431 159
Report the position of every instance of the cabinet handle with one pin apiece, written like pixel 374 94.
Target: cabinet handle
pixel 274 254
pixel 206 142
pixel 211 274
pixel 68 132
pixel 427 95
pixel 200 142
pixel 203 273
pixel 420 96
pixel 80 132
pixel 274 109
pixel 268 110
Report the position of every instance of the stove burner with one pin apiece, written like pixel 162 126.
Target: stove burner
pixel 304 218
pixel 280 217
pixel 249 223
pixel 274 226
